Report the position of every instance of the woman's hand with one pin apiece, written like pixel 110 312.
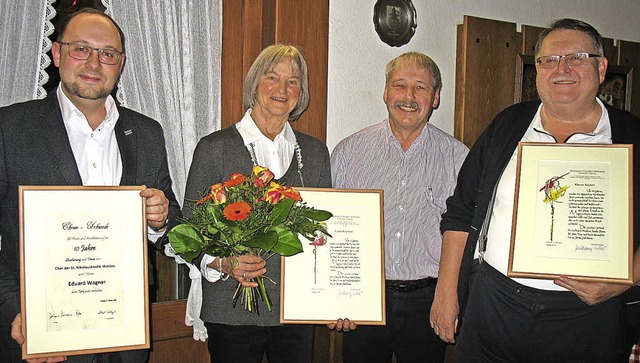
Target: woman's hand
pixel 242 268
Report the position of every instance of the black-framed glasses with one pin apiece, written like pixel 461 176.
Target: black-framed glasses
pixel 83 52
pixel 573 59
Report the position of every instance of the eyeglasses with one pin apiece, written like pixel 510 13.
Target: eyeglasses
pixel 83 52
pixel 573 60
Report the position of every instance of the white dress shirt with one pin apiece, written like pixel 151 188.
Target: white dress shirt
pixel 499 233
pixel 96 151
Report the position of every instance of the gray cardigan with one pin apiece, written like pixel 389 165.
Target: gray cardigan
pixel 217 156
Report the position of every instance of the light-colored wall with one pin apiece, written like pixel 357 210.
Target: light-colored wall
pixel 357 56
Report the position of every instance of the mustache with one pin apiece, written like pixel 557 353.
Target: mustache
pixel 411 104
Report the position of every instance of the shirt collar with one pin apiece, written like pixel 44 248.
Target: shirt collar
pixel 69 110
pixel 391 138
pixel 601 134
pixel 251 133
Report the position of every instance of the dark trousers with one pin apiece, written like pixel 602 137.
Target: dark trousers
pixel 247 343
pixel 508 322
pixel 407 332
pixel 132 356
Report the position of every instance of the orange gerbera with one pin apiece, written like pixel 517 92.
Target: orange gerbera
pixel 235 179
pixel 237 211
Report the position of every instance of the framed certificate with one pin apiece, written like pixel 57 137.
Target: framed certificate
pixel 343 276
pixel 83 270
pixel 573 212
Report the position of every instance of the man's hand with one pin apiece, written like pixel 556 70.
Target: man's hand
pixel 16 334
pixel 444 316
pixel 445 308
pixel 592 293
pixel 157 207
pixel 344 325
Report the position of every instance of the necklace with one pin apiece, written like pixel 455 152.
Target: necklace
pixel 252 152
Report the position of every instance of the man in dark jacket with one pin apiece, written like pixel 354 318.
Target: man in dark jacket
pixel 77 136
pixel 517 319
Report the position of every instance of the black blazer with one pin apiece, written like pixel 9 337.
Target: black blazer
pixel 35 150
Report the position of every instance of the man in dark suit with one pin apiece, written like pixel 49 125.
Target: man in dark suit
pixel 77 136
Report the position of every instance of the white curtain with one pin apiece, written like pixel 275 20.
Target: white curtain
pixel 172 71
pixel 24 29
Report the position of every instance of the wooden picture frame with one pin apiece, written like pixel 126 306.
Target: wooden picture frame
pixel 344 276
pixel 573 212
pixel 83 270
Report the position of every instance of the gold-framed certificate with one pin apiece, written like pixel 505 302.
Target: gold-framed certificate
pixel 83 269
pixel 573 212
pixel 341 276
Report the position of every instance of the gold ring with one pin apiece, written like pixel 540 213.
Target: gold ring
pixel 244 275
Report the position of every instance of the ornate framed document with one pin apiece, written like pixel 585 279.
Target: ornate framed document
pixel 83 268
pixel 341 276
pixel 573 212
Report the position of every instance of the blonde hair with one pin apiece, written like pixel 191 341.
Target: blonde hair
pixel 418 59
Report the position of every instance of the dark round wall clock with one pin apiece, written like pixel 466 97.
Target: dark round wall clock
pixel 395 21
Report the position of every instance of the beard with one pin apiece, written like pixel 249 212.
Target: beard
pixel 87 92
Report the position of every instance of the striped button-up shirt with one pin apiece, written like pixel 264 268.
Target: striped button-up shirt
pixel 416 185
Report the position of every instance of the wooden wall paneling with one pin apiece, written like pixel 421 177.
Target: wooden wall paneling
pixel 461 85
pixel 629 56
pixel 232 61
pixel 247 29
pixel 530 36
pixel 610 50
pixel 164 286
pixel 269 21
pixel 172 340
pixel 308 28
pixel 488 51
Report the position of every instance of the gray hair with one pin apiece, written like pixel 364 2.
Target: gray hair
pixel 418 59
pixel 572 24
pixel 266 60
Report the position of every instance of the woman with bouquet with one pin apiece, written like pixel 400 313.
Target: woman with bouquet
pixel 276 92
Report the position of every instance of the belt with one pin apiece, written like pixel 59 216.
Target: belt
pixel 410 285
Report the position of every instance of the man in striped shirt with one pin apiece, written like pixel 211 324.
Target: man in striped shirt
pixel 416 165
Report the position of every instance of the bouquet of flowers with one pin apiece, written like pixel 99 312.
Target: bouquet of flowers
pixel 248 215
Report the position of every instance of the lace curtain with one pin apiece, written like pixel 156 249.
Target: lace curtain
pixel 24 31
pixel 172 71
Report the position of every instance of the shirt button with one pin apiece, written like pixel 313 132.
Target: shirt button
pixel 401 208
pixel 92 135
pixel 398 234
pixel 94 165
pixel 403 183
